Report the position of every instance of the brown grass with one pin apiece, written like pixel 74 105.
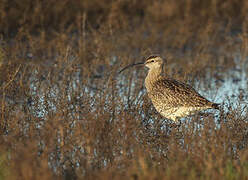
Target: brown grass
pixel 66 115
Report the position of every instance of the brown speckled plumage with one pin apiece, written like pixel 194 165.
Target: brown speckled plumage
pixel 171 98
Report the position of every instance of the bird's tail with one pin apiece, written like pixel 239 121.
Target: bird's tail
pixel 216 106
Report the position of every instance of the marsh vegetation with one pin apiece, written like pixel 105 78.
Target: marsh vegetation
pixel 65 114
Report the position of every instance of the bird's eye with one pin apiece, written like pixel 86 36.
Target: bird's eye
pixel 152 61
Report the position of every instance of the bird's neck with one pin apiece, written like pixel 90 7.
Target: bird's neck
pixel 153 75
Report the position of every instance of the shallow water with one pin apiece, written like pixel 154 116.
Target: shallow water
pixel 230 90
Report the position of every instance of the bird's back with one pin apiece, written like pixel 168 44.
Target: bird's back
pixel 174 93
pixel 177 93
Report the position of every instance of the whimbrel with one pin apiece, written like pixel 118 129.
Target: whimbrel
pixel 171 98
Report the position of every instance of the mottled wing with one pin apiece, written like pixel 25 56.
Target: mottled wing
pixel 175 94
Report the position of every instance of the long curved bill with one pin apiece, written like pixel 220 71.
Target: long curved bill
pixel 131 65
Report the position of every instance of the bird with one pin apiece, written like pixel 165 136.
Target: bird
pixel 173 99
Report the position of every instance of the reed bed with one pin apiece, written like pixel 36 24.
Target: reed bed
pixel 67 114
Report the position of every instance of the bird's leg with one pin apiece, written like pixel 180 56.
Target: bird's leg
pixel 178 124
pixel 174 128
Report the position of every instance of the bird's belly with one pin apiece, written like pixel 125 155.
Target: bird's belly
pixel 171 107
pixel 176 112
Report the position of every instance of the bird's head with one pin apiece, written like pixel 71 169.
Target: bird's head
pixel 151 62
pixel 154 62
